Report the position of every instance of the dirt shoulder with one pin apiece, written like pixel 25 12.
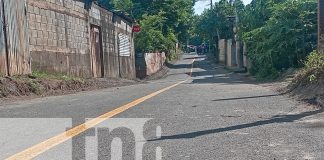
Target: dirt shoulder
pixel 26 87
pixel 299 87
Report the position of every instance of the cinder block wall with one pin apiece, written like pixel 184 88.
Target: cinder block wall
pixel 59 41
pixel 111 26
pixel 222 51
pixel 127 63
pixel 149 63
pixel 230 53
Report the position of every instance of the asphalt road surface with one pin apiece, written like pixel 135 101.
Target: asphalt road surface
pixel 198 111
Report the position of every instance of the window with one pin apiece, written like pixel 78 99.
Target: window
pixel 124 45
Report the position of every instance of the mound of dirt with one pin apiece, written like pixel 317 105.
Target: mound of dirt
pixel 30 86
pixel 305 88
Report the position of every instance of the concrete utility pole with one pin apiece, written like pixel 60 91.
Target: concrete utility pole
pixel 238 51
pixel 320 46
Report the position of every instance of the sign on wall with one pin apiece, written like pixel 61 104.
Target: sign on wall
pixel 136 28
pixel 124 45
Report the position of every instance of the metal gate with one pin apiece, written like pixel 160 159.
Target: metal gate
pixel 14 45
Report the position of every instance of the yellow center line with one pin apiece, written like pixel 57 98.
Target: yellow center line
pixel 46 145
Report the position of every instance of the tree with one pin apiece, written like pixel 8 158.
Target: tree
pixel 284 39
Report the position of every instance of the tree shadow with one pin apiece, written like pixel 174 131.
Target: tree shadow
pixel 250 97
pixel 209 73
pixel 179 66
pixel 275 119
pixel 195 57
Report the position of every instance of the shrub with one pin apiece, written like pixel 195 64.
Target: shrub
pixel 314 66
pixel 285 39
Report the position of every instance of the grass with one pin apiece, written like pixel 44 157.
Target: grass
pixel 314 67
pixel 173 56
pixel 35 87
pixel 56 76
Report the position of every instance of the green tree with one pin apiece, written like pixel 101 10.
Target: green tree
pixel 285 39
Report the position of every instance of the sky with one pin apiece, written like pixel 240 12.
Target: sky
pixel 201 5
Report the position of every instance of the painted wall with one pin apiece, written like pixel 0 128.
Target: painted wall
pixel 149 63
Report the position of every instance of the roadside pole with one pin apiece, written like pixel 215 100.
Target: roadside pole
pixel 239 56
pixel 320 46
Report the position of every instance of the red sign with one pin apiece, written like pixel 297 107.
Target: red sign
pixel 137 28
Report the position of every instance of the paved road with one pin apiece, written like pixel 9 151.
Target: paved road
pixel 209 114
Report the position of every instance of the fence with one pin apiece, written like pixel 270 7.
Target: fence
pixel 14 52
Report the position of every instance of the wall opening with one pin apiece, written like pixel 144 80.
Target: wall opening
pixel 96 52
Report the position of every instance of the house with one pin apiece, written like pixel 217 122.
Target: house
pixel 74 37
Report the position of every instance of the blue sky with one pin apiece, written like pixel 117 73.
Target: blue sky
pixel 201 5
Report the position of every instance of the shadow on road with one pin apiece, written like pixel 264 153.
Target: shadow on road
pixel 251 97
pixel 273 120
pixel 196 57
pixel 209 73
pixel 179 66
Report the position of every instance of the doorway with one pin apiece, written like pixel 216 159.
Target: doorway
pixel 96 52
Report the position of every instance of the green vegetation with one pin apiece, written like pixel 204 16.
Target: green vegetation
pixel 55 76
pixel 164 23
pixel 35 87
pixel 314 67
pixel 279 34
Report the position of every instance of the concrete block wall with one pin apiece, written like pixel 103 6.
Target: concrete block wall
pixel 127 63
pixel 111 26
pixel 222 51
pixel 104 19
pixel 59 41
pixel 230 54
pixel 59 32
pixel 149 63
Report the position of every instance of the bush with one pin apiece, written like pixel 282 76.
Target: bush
pixel 285 40
pixel 314 66
pixel 315 61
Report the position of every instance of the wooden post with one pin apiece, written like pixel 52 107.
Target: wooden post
pixel 4 23
pixel 320 46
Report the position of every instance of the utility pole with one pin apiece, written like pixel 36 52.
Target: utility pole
pixel 320 46
pixel 239 56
